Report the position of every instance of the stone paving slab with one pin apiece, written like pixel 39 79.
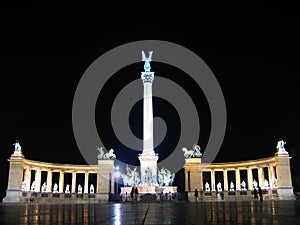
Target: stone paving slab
pixel 248 212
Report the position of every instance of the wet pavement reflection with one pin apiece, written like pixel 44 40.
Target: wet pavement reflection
pixel 252 212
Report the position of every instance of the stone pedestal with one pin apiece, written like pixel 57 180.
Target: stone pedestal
pixel 14 188
pixel 148 161
pixel 105 170
pixel 285 188
pixel 193 174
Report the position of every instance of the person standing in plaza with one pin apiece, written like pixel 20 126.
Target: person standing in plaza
pixel 196 194
pixel 255 194
pixel 132 195
pixel 136 194
pixel 260 194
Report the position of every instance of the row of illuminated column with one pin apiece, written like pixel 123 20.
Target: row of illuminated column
pixel 261 178
pixel 27 179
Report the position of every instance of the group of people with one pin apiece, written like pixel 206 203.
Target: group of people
pixel 258 192
pixel 134 194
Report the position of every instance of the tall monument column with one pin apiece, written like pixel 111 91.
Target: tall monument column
pixel 148 158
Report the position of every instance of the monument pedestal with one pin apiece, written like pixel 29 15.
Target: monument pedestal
pixel 148 161
pixel 285 188
pixel 13 196
pixel 14 187
pixel 104 179
pixel 193 174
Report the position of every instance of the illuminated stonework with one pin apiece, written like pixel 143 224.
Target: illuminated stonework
pixel 273 176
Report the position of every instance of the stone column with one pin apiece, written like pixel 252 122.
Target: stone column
pixel 225 180
pixel 73 182
pixel 213 182
pixel 250 179
pixel 112 183
pixel 14 187
pixel 283 171
pixel 271 176
pixel 49 181
pixel 61 182
pixel 86 182
pixel 238 180
pixel 38 180
pixel 27 178
pixel 260 177
pixel 186 173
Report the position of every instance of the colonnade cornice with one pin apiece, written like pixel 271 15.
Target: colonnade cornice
pixel 57 167
pixel 238 165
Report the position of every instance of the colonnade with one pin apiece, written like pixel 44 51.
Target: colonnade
pixel 264 182
pixel 21 178
pixel 27 180
pixel 267 173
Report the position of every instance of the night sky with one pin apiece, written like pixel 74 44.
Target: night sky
pixel 41 68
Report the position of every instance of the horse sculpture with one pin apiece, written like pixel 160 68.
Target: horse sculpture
pixel 109 155
pixel 192 153
pixel 187 153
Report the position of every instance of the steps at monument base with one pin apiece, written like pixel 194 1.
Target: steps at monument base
pixel 148 197
pixel 63 197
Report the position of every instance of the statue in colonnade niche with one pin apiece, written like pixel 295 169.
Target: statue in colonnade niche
pixel 79 189
pixel 23 186
pixel 243 185
pixel 207 188
pixel 33 185
pixel 255 185
pixel 219 187
pixel 92 189
pixel 67 190
pixel 44 186
pixel 55 187
pixel 266 184
pixel 231 186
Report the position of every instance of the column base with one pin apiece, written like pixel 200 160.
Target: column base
pixel 13 196
pixel 285 193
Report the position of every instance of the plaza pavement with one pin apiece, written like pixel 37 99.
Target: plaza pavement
pixel 241 212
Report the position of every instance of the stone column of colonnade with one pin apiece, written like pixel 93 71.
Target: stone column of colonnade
pixel 27 178
pixel 250 178
pixel 225 180
pixel 237 180
pixel 73 186
pixel 86 183
pixel 260 177
pixel 38 180
pixel 212 178
pixel 271 175
pixel 49 181
pixel 61 182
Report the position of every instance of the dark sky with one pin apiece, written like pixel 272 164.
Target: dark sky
pixel 40 68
